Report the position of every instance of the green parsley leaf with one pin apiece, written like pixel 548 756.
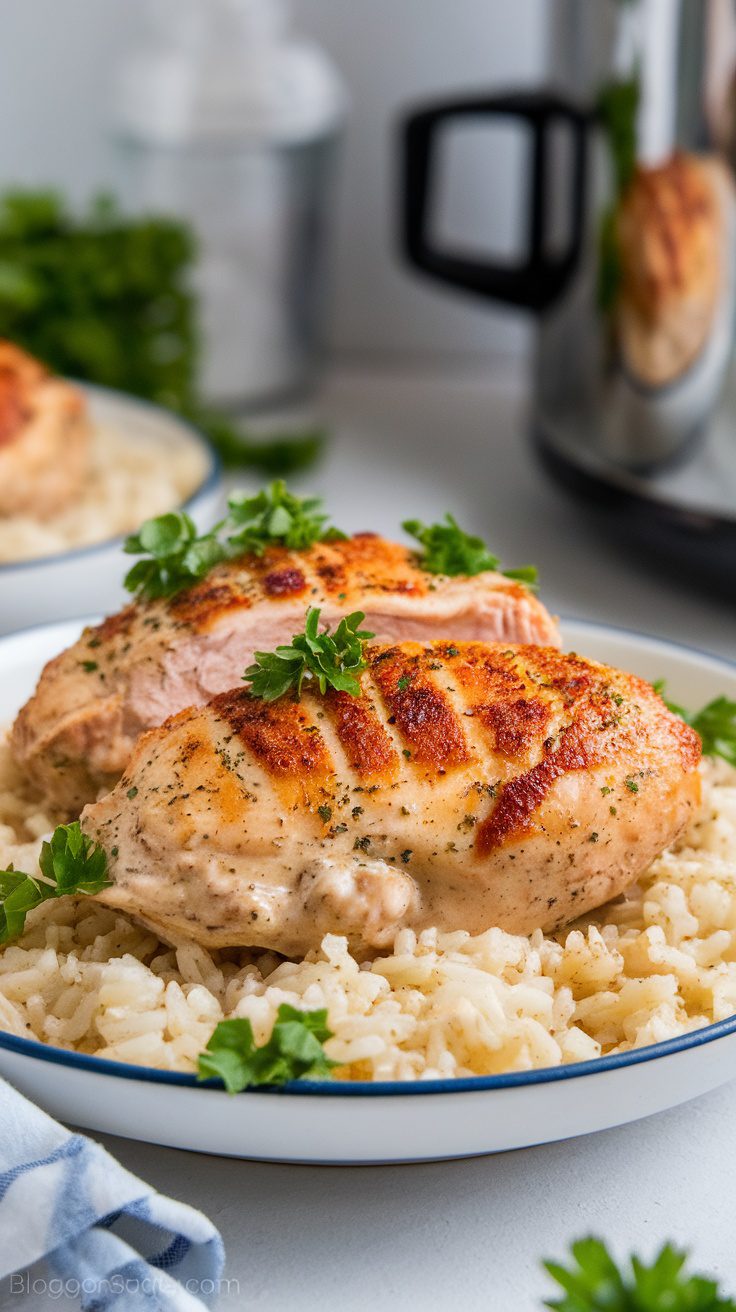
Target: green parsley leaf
pixel 328 659
pixel 715 723
pixel 293 1052
pixel 70 863
pixel 449 550
pixel 275 515
pixel 595 1283
pixel 174 555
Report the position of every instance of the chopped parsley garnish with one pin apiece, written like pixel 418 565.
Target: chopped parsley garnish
pixel 406 855
pixel 594 1282
pixel 449 550
pixel 175 555
pixel 293 1052
pixel 131 793
pixel 89 667
pixel 70 864
pixel 325 813
pixel 403 683
pixel 331 660
pixel 715 723
pixel 275 515
pixel 632 785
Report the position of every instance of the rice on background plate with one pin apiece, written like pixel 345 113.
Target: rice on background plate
pixel 130 480
pixel 654 965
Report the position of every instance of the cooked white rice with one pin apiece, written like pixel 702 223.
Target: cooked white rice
pixel 652 966
pixel 130 479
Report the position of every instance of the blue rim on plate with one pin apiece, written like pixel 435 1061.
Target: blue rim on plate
pixel 378 1088
pixel 209 482
pixel 696 1038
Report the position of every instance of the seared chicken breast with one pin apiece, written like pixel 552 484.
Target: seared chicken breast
pixel 671 230
pixel 44 437
pixel 128 674
pixel 470 785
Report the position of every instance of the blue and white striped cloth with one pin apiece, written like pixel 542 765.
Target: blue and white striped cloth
pixel 108 1239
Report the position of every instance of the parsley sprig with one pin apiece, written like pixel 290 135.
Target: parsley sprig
pixel 449 550
pixel 70 863
pixel 275 515
pixel 715 723
pixel 174 555
pixel 328 659
pixel 293 1052
pixel 594 1283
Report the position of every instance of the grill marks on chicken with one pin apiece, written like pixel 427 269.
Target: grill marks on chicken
pixel 152 659
pixel 500 786
pixel 429 729
pixel 282 740
pixel 44 437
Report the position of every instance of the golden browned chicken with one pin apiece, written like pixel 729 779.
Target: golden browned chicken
pixel 671 229
pixel 44 437
pixel 128 674
pixel 469 785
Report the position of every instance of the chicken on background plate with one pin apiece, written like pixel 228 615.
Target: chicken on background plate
pixel 44 437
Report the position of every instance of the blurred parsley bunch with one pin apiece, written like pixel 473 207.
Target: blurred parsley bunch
pixel 594 1282
pixel 103 298
pixel 107 299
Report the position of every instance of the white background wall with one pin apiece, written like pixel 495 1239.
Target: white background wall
pixel 57 58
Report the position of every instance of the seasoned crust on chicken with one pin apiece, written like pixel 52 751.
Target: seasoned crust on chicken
pixel 44 437
pixel 76 733
pixel 470 785
pixel 671 229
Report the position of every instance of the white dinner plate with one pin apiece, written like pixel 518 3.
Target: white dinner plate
pixel 335 1122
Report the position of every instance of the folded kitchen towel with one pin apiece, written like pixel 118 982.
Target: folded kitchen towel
pixel 108 1238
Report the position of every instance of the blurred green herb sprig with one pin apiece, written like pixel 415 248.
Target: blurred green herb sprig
pixel 107 298
pixel 618 108
pixel 593 1282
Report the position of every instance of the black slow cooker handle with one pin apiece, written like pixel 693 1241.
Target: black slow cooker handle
pixel 542 276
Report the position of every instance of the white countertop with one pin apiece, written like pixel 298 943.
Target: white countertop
pixel 471 1234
